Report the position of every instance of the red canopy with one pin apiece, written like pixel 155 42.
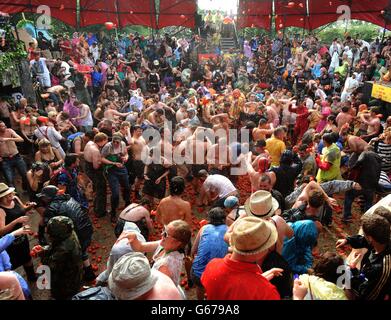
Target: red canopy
pixel 177 13
pixel 64 10
pixel 290 14
pixel 254 13
pixel 120 12
pixel 325 11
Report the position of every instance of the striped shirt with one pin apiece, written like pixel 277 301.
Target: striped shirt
pixel 384 151
pixel 384 179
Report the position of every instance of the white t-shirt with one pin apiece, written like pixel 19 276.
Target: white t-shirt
pixel 41 66
pixel 320 93
pixel 52 135
pixel 66 66
pixel 87 121
pixel 219 184
pixel 119 249
pixel 309 103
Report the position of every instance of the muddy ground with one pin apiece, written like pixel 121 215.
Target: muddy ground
pixel 104 237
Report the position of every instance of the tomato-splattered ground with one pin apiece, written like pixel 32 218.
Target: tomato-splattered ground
pixel 104 237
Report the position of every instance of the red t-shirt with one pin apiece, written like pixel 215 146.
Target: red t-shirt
pixel 226 279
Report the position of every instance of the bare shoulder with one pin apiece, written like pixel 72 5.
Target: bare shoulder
pixel 187 204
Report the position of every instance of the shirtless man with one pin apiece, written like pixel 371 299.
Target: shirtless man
pixel 112 114
pixel 139 214
pixel 157 104
pixel 353 145
pixel 255 176
pixel 251 106
pixel 166 147
pixel 94 170
pixel 10 159
pixel 263 130
pixel 157 118
pixel 344 117
pixel 220 121
pixel 273 117
pixel 196 149
pixel 181 114
pixel 64 124
pixel 174 207
pixel 137 145
pixel 218 158
pixel 17 114
pixel 373 123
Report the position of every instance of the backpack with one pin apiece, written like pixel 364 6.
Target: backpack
pixel 95 293
pixel 54 178
pixel 70 140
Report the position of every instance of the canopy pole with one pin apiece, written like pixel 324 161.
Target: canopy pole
pixel 78 15
pixel 118 17
pixel 384 31
pixel 272 17
pixel 34 20
pixel 151 13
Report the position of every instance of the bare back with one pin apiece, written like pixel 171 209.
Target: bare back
pixel 173 208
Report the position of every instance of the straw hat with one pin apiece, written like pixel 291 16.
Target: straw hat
pixel 5 190
pixel 261 204
pixel 132 277
pixel 253 235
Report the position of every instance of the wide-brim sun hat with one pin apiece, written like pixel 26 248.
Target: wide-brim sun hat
pixel 252 235
pixel 5 190
pixel 261 204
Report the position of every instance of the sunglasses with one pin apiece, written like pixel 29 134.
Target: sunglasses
pixel 166 235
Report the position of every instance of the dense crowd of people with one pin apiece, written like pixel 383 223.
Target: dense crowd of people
pixel 139 121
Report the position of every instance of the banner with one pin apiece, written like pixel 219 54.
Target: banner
pixel 381 92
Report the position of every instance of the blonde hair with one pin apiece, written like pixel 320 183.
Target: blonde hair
pixel 44 142
pixel 182 231
pixel 99 137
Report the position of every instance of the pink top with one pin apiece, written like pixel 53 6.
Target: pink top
pixel 326 111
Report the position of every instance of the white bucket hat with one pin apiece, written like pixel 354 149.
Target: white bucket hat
pixel 132 276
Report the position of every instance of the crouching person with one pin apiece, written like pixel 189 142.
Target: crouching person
pixel 58 204
pixel 64 258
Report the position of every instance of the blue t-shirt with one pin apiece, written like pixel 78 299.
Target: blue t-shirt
pixel 212 245
pixel 91 40
pixel 96 78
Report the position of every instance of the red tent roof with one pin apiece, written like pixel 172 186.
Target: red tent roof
pixel 326 11
pixel 177 13
pixel 120 12
pixel 254 13
pixel 64 10
pixel 290 14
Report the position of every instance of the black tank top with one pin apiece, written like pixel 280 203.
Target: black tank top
pixel 13 214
